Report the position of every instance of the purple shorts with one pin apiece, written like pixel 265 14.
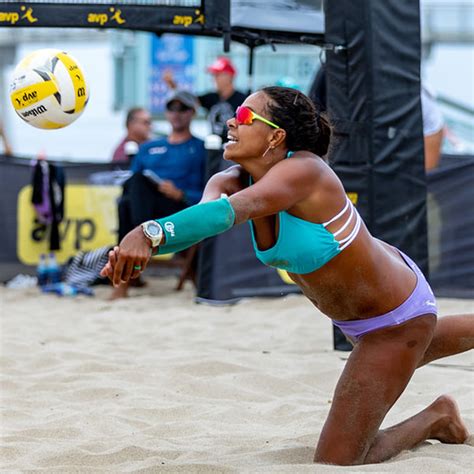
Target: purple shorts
pixel 420 302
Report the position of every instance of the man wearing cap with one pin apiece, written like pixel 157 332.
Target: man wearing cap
pixel 221 104
pixel 177 164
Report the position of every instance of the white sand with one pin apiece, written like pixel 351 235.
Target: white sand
pixel 157 383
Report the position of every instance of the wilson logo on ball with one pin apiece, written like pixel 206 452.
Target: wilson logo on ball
pixel 34 112
pixel 48 89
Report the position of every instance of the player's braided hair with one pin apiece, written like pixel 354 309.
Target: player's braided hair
pixel 306 128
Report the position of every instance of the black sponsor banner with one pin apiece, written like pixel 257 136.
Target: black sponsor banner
pixel 190 20
pixel 253 23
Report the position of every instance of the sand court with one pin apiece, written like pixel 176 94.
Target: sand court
pixel 156 383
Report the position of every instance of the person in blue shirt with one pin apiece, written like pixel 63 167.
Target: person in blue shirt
pixel 168 173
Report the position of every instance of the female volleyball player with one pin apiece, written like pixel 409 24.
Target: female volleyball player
pixel 302 221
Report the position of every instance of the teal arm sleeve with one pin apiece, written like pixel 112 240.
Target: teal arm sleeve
pixel 195 223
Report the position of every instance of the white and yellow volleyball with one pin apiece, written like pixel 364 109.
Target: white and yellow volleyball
pixel 48 89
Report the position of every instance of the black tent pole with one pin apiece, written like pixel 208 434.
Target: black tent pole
pixel 250 69
pixel 224 11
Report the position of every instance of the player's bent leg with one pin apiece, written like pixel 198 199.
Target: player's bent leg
pixel 452 335
pixel 376 373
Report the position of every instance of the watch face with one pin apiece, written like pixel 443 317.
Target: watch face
pixel 153 230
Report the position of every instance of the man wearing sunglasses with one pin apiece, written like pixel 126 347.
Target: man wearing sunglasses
pixel 168 173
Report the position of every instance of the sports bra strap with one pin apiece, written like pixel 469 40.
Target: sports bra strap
pixel 348 221
pixel 346 241
pixel 325 224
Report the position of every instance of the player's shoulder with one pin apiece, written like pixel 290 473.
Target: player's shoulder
pixel 231 173
pixel 234 171
pixel 302 161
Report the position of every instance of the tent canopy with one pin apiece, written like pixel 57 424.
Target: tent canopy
pixel 252 22
pixel 256 22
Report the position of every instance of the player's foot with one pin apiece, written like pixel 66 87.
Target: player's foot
pixel 449 428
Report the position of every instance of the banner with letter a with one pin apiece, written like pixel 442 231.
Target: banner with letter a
pixel 90 215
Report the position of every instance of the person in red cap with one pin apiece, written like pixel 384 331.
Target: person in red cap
pixel 222 64
pixel 221 105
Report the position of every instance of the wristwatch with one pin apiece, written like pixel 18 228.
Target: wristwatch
pixel 153 231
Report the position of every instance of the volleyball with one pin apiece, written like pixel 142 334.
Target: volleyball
pixel 48 89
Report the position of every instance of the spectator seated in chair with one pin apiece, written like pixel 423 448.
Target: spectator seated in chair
pixel 168 173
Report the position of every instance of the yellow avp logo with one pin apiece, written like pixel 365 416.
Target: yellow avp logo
pixel 114 15
pixel 187 20
pixel 13 17
pixel 90 221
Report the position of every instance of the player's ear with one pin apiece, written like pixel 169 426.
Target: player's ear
pixel 279 136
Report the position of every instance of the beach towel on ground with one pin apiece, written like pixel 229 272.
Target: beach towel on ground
pixel 84 268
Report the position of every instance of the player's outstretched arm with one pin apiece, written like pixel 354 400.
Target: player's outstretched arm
pixel 278 190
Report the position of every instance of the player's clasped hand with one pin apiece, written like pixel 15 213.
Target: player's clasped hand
pixel 128 259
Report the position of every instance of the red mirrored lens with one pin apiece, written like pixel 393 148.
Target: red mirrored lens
pixel 244 116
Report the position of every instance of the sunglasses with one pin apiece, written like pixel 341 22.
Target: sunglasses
pixel 178 108
pixel 246 116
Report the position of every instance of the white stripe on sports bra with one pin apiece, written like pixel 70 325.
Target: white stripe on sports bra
pixel 346 241
pixel 325 224
pixel 346 224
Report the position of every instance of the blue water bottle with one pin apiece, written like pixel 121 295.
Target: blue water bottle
pixel 42 271
pixel 54 271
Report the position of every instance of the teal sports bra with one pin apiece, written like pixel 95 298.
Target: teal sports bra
pixel 302 246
